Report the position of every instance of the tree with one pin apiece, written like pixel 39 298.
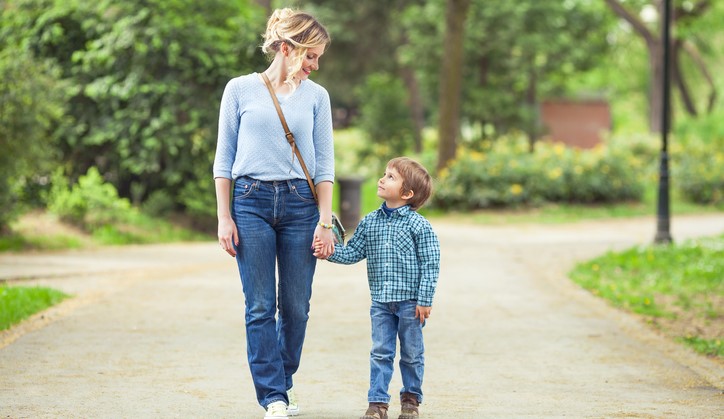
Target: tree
pixel 30 104
pixel 683 14
pixel 367 38
pixel 451 80
pixel 147 78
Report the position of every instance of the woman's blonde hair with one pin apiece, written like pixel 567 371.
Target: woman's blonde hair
pixel 299 30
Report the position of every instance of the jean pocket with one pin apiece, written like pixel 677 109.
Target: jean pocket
pixel 243 188
pixel 303 193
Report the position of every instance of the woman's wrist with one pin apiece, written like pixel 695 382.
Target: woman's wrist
pixel 328 226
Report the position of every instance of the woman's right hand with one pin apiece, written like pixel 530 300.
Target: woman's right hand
pixel 228 235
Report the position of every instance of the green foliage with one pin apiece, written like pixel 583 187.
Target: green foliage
pixel 662 281
pixel 698 169
pixel 516 53
pixel 18 303
pixel 30 99
pixel 385 116
pixel 147 78
pixel 90 204
pixel 505 173
pixel 711 347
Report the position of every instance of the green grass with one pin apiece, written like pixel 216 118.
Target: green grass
pixel 143 229
pixel 31 233
pixel 19 303
pixel 17 243
pixel 679 288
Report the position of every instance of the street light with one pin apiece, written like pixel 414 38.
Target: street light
pixel 663 217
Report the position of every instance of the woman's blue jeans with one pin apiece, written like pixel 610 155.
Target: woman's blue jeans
pixel 390 320
pixel 276 222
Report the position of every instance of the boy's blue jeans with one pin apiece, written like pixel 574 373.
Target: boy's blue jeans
pixel 276 222
pixel 390 320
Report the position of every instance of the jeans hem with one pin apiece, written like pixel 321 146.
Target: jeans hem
pixel 387 401
pixel 274 401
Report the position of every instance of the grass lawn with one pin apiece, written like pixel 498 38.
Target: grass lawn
pixel 40 230
pixel 678 288
pixel 19 303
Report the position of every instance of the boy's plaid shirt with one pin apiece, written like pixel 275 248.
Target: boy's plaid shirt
pixel 403 255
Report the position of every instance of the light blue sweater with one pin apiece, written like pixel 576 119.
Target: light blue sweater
pixel 251 139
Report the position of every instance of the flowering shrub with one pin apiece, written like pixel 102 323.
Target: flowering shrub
pixel 698 159
pixel 699 171
pixel 506 173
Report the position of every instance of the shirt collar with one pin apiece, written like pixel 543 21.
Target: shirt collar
pixel 402 211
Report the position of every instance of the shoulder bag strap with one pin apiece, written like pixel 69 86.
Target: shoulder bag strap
pixel 289 135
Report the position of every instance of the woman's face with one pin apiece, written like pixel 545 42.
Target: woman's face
pixel 310 62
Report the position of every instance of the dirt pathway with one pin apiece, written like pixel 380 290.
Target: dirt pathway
pixel 157 332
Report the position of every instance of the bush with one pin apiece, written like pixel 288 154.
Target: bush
pixel 506 174
pixel 699 173
pixel 31 105
pixel 698 159
pixel 90 204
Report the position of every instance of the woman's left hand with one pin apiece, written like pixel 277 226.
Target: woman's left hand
pixel 326 237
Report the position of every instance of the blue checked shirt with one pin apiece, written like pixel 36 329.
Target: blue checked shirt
pixel 403 255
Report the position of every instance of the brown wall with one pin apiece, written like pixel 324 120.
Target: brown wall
pixel 576 123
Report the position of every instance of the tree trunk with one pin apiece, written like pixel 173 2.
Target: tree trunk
pixel 416 109
pixel 266 4
pixel 679 80
pixel 656 61
pixel 451 80
pixel 531 99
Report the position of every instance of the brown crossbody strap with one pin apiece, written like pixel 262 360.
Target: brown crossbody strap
pixel 289 135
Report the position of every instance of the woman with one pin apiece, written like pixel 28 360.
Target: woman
pixel 273 218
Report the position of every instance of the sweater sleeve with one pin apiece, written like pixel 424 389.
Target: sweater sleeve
pixel 323 139
pixel 226 142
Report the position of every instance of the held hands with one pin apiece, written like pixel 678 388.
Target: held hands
pixel 422 313
pixel 323 244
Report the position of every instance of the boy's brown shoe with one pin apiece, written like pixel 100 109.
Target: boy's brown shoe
pixel 376 411
pixel 409 406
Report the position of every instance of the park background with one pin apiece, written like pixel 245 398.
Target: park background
pixel 109 114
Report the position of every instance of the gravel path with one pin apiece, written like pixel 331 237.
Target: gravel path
pixel 157 332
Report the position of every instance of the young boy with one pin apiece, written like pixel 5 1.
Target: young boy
pixel 403 263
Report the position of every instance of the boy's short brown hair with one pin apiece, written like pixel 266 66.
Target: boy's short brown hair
pixel 415 178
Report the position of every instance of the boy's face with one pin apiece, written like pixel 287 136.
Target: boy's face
pixel 389 188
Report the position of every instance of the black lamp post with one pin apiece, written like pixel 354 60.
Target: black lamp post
pixel 663 217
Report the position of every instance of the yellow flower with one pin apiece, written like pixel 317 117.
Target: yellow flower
pixel 595 267
pixel 516 189
pixel 444 172
pixel 555 173
pixel 477 156
pixel 559 148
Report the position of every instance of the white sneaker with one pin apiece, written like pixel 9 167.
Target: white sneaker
pixel 293 408
pixel 276 410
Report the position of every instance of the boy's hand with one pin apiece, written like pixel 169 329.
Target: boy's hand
pixel 422 313
pixel 319 249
